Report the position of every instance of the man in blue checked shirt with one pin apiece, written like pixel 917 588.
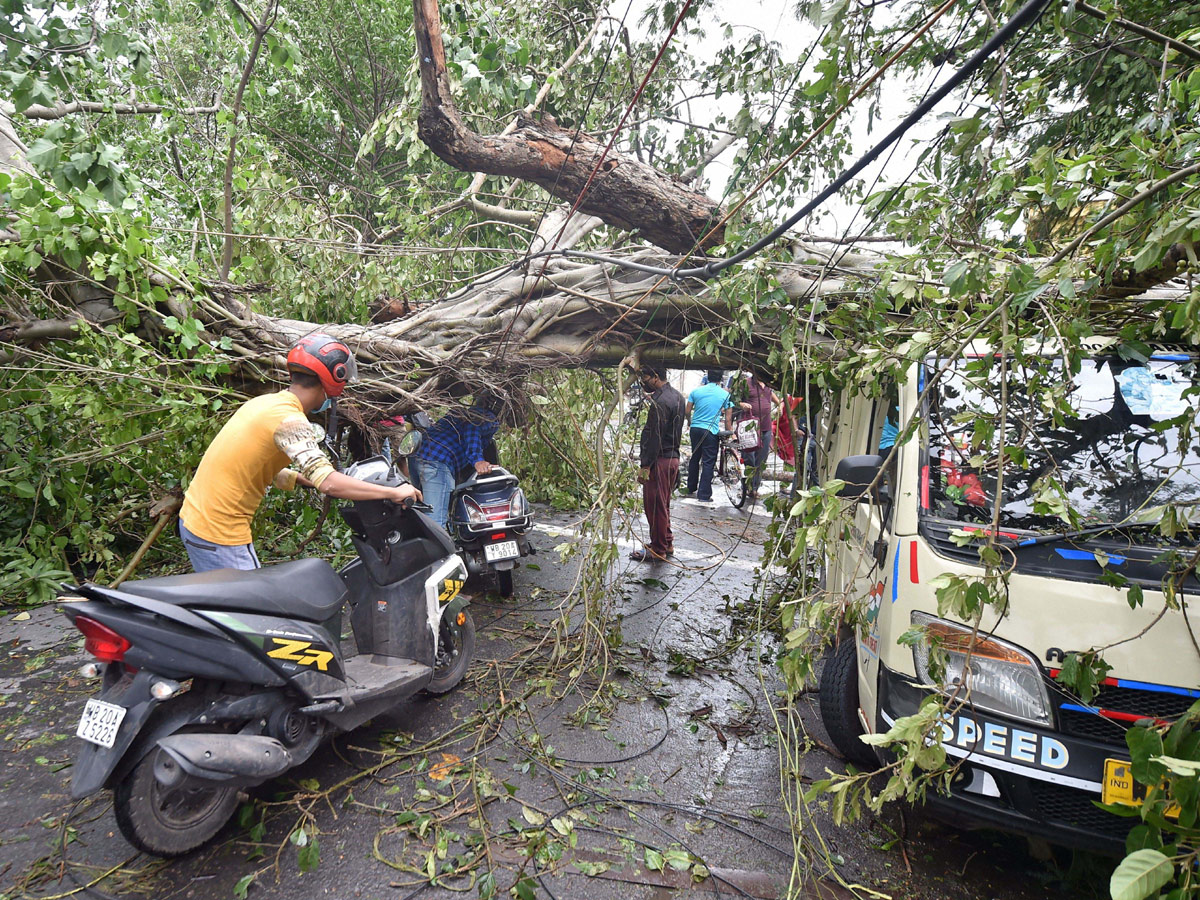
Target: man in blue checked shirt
pixel 455 443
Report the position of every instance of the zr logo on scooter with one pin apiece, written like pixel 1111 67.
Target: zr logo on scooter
pixel 294 651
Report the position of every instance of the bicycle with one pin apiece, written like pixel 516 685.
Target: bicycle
pixel 731 469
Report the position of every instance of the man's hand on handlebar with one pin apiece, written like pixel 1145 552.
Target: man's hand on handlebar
pixel 405 495
pixel 483 467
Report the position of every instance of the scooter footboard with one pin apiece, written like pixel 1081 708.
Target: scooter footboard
pixel 390 619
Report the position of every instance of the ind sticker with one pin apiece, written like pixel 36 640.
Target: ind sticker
pixel 1003 742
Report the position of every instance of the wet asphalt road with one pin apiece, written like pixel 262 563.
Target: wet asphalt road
pixel 669 785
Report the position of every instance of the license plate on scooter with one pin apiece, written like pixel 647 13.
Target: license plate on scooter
pixel 501 550
pixel 100 723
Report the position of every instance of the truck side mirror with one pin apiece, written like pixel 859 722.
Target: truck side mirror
pixel 858 472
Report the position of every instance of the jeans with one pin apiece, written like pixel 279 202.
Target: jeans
pixel 206 556
pixel 756 460
pixel 437 483
pixel 700 466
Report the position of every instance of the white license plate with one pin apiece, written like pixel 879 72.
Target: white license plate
pixel 100 723
pixel 501 550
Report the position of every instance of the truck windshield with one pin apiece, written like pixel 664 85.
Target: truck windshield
pixel 1108 444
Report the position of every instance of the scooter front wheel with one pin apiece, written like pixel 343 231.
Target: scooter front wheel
pixel 456 646
pixel 169 821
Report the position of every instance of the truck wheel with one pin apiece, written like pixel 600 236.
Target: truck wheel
pixel 505 583
pixel 839 704
pixel 169 821
pixel 456 646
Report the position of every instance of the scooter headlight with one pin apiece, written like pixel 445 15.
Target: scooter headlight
pixel 518 505
pixel 990 674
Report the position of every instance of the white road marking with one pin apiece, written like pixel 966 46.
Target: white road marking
pixel 681 555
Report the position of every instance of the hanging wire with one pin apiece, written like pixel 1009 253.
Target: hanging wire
pixel 1026 16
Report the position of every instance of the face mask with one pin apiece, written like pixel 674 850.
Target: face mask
pixel 324 406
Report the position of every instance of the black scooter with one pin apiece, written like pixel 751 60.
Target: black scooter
pixel 217 681
pixel 490 521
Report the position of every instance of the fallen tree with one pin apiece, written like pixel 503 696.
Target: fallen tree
pixel 528 313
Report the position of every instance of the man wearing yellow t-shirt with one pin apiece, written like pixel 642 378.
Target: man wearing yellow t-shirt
pixel 256 448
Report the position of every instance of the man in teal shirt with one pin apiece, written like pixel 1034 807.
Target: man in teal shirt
pixel 705 406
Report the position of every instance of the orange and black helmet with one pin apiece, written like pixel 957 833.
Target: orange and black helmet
pixel 326 357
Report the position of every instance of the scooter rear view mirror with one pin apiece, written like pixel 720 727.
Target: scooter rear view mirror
pixel 409 444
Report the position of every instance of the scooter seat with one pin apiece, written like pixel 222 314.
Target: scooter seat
pixel 305 589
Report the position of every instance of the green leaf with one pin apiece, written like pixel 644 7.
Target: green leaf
pixel 486 886
pixel 591 869
pixel 1145 746
pixel 43 154
pixel 1134 596
pixel 677 859
pixel 243 886
pixel 532 816
pixel 654 860
pixel 955 274
pixel 1189 768
pixel 1140 875
pixel 309 857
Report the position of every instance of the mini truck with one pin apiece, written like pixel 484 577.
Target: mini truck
pixel 1029 755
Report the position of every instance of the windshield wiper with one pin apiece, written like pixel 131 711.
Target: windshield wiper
pixel 1084 532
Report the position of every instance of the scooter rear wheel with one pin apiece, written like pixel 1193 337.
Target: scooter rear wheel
pixel 456 646
pixel 504 582
pixel 169 821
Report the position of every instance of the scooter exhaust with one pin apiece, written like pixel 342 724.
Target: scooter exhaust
pixel 229 760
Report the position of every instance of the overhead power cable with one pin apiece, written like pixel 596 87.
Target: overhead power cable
pixel 1027 15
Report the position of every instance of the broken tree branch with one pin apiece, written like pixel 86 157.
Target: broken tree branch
pixel 624 193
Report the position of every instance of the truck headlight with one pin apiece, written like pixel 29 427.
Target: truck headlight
pixel 992 675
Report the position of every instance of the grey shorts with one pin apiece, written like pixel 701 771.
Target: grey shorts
pixel 205 555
